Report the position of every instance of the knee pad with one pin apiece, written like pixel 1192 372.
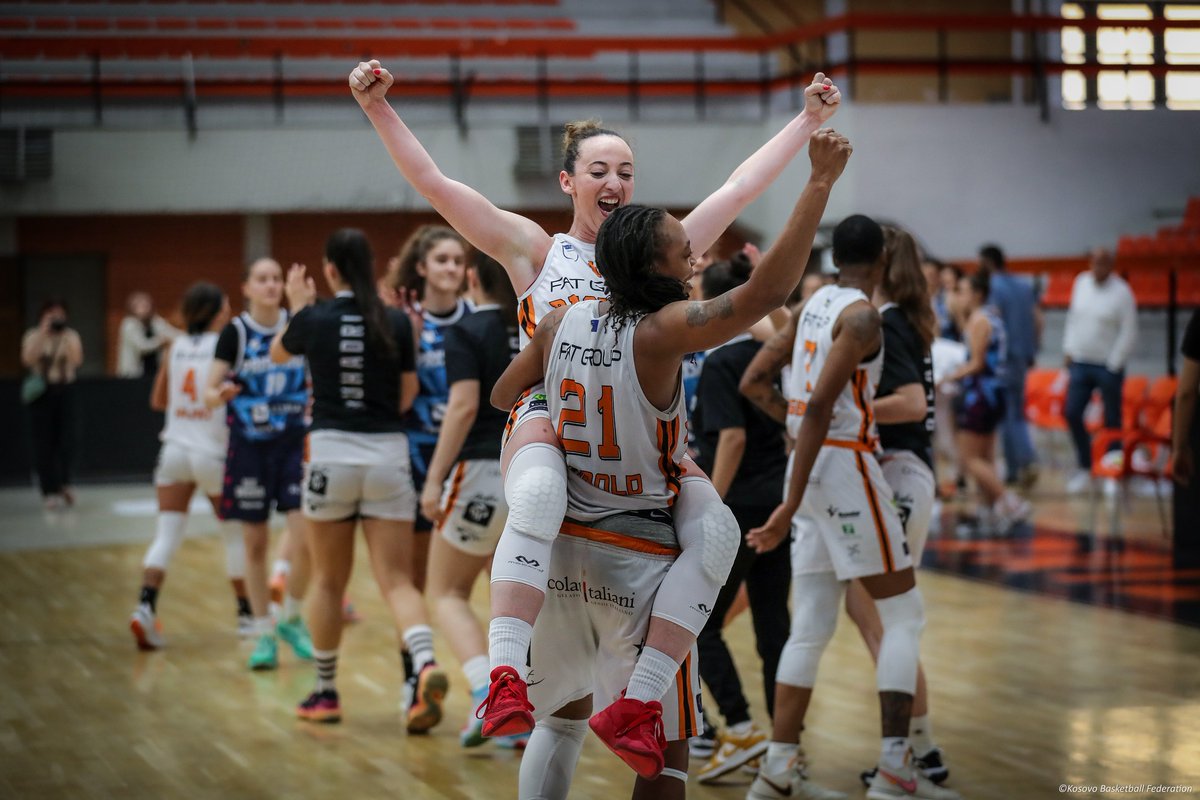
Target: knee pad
pixel 702 520
pixel 235 550
pixel 168 534
pixel 816 601
pixel 903 618
pixel 535 489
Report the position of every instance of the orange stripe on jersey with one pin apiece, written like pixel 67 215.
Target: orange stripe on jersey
pixel 862 447
pixel 876 515
pixel 668 438
pixel 860 400
pixel 526 316
pixel 455 485
pixel 616 539
pixel 683 680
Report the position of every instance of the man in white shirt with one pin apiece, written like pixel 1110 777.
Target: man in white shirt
pixel 1099 337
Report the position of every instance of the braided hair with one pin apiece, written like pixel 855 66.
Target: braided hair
pixel 628 246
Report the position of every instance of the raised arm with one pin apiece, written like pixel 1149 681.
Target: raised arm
pixel 758 381
pixel 687 327
pixel 518 243
pixel 717 212
pixel 856 335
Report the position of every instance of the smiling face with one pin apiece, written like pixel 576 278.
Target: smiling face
pixel 264 283
pixel 603 181
pixel 675 255
pixel 444 266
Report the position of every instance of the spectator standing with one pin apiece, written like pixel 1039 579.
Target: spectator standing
pixel 1018 309
pixel 142 336
pixel 52 352
pixel 1100 333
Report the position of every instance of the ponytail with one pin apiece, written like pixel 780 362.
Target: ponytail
pixel 905 285
pixel 350 253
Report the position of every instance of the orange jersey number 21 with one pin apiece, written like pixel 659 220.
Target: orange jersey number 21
pixel 608 448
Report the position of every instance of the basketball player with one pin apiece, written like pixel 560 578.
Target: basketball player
pixel 361 358
pixel 613 370
pixel 426 281
pixel 464 494
pixel 552 272
pixel 194 440
pixel 979 405
pixel 836 505
pixel 265 405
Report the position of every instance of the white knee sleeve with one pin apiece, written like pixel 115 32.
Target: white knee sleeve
pixel 235 550
pixel 708 541
pixel 535 488
pixel 168 533
pixel 816 601
pixel 903 618
pixel 549 761
pixel 702 520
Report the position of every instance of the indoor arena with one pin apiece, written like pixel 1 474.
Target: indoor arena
pixel 544 399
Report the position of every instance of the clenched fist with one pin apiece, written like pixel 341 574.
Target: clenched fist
pixel 369 82
pixel 822 97
pixel 829 151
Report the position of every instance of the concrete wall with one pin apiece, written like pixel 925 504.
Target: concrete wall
pixel 957 175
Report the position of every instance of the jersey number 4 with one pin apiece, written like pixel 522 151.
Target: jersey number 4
pixel 189 385
pixel 608 449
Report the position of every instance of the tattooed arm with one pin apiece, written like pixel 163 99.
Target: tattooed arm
pixel 758 381
pixel 686 327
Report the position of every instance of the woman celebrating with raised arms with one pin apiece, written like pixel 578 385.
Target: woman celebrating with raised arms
pixel 554 271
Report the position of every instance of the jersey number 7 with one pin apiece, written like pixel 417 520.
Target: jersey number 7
pixel 608 449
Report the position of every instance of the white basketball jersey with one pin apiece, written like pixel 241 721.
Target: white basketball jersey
pixel 853 418
pixel 568 276
pixel 189 422
pixel 623 454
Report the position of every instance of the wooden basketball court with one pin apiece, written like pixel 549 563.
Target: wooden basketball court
pixel 1028 692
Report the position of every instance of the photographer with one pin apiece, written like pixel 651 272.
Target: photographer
pixel 52 352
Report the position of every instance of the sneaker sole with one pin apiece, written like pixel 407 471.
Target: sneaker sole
pixel 325 717
pixel 427 709
pixel 143 639
pixel 734 763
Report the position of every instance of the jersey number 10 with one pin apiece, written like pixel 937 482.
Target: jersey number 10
pixel 608 449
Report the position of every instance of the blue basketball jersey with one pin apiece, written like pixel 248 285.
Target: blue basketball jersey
pixel 425 419
pixel 274 397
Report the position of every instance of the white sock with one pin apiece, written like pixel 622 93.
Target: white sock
pixel 478 672
pixel 652 675
pixel 779 757
pixel 419 641
pixel 281 567
pixel 264 626
pixel 550 758
pixel 892 752
pixel 508 643
pixel 326 661
pixel 920 734
pixel 291 608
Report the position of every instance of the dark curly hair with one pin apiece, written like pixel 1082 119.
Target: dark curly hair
pixel 628 246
